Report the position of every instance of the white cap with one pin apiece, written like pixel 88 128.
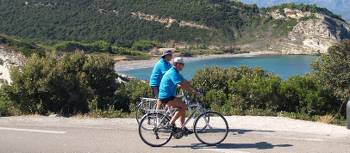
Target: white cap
pixel 179 60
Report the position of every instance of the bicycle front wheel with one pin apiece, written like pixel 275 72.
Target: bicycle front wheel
pixel 154 129
pixel 211 132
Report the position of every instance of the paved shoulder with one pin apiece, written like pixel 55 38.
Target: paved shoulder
pixel 247 134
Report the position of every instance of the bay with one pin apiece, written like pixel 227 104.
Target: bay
pixel 282 65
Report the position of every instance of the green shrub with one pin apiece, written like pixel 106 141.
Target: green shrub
pixel 129 52
pixel 253 91
pixel 308 95
pixel 4 104
pixel 187 53
pixel 130 92
pixel 64 84
pixel 143 45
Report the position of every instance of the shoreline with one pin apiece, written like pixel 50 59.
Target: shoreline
pixel 122 66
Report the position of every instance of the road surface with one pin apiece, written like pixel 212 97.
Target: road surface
pixel 248 134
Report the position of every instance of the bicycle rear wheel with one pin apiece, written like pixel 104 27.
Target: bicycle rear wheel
pixel 140 112
pixel 213 132
pixel 154 129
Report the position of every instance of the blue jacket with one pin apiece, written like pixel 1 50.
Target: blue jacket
pixel 159 70
pixel 169 83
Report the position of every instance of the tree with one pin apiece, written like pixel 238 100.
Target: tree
pixel 334 70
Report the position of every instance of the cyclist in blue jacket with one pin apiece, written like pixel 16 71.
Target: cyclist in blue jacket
pixel 162 66
pixel 167 92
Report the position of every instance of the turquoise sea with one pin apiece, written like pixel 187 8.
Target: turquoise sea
pixel 284 66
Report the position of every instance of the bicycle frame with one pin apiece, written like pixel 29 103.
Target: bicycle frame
pixel 158 122
pixel 150 101
pixel 193 108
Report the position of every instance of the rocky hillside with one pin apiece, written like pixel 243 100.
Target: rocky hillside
pixel 313 32
pixel 313 35
pixel 340 7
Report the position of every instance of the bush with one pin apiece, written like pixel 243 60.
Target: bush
pixel 143 45
pixel 127 51
pixel 64 84
pixel 307 95
pixel 130 92
pixel 187 53
pixel 253 91
pixel 4 104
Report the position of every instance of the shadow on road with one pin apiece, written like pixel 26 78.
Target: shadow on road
pixel 243 131
pixel 258 145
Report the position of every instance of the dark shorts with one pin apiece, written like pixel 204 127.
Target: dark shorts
pixel 166 100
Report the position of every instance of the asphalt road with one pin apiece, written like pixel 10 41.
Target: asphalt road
pixel 37 134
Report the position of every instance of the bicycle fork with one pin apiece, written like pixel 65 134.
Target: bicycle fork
pixel 158 124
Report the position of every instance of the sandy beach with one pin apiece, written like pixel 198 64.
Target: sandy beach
pixel 121 66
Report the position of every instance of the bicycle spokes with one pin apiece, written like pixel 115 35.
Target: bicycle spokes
pixel 153 131
pixel 211 128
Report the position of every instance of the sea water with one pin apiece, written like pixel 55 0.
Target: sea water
pixel 283 66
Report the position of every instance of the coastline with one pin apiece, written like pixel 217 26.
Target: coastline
pixel 121 66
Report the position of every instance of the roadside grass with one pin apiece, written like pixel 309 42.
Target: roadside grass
pixel 327 119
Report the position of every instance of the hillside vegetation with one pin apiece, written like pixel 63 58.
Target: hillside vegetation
pixel 28 47
pixel 121 22
pixel 24 47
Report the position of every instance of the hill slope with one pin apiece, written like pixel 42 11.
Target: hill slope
pixel 123 21
pixel 179 23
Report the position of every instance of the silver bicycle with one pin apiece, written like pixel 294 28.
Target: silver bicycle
pixel 209 127
pixel 145 106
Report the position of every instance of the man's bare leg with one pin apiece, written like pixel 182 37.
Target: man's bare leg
pixel 158 104
pixel 177 103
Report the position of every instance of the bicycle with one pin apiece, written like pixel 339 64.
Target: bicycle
pixel 209 127
pixel 145 106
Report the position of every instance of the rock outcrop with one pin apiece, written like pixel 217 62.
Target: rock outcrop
pixel 312 35
pixel 8 59
pixel 168 22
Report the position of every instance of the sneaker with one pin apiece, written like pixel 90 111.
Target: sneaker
pixel 186 131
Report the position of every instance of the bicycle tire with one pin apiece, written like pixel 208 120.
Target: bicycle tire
pixel 208 118
pixel 138 113
pixel 211 118
pixel 145 119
